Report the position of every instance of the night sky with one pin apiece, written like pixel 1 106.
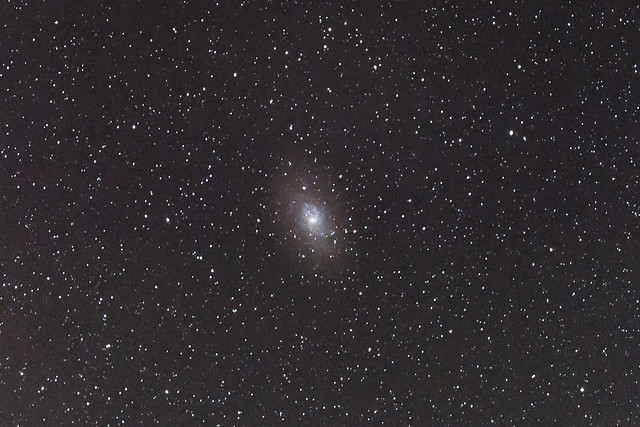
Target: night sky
pixel 327 213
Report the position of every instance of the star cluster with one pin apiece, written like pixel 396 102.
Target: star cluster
pixel 258 213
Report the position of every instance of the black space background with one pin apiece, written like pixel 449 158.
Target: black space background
pixel 480 164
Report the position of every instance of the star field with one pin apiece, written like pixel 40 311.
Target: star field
pixel 257 213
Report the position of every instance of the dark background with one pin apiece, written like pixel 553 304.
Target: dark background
pixel 480 164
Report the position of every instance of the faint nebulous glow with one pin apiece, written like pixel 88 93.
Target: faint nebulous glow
pixel 312 217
